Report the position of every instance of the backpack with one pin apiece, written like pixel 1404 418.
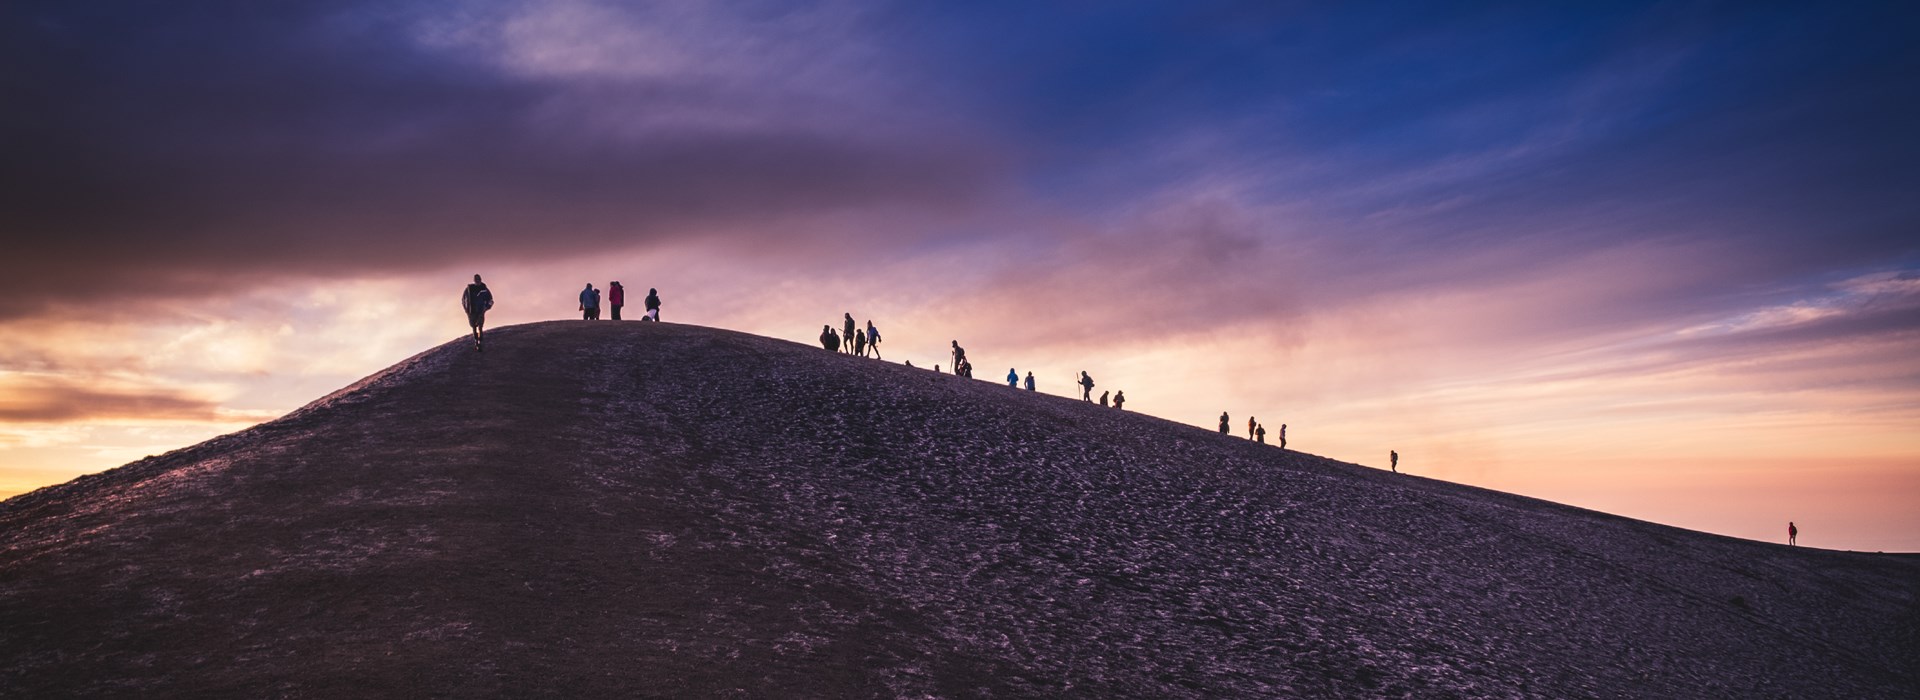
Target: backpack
pixel 485 299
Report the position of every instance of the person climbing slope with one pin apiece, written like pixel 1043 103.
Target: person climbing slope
pixel 1029 381
pixel 1013 378
pixel 847 330
pixel 859 343
pixel 1103 399
pixel 1393 461
pixel 1260 435
pixel 476 300
pixel 1086 387
pixel 1223 423
pixel 1119 399
pixel 873 339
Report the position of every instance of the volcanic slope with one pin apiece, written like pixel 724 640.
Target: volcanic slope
pixel 626 509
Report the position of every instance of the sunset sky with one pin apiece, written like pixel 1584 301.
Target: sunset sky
pixel 1658 259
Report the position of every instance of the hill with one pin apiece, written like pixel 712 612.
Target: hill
pixel 622 510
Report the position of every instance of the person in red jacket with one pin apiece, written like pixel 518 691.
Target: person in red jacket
pixel 617 296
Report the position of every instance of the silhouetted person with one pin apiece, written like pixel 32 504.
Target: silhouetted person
pixel 616 297
pixel 827 340
pixel 1119 398
pixel 1223 423
pixel 1086 387
pixel 653 304
pixel 1283 436
pixel 1260 435
pixel 959 355
pixel 1250 426
pixel 589 303
pixel 1793 534
pixel 873 339
pixel 849 329
pixel 965 369
pixel 475 301
pixel 1393 461
pixel 1013 378
pixel 1103 399
pixel 859 343
pixel 936 369
pixel 1029 381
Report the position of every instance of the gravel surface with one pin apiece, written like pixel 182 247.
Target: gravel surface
pixel 632 510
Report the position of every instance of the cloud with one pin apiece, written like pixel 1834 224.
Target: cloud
pixel 167 151
pixel 54 399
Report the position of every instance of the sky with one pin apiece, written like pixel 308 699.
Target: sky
pixel 1658 259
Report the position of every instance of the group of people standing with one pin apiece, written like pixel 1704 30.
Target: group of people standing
pixel 1256 431
pixel 616 298
pixel 854 340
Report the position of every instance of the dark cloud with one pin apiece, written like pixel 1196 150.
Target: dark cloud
pixel 173 149
pixel 69 400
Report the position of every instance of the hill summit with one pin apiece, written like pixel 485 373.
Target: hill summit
pixel 626 509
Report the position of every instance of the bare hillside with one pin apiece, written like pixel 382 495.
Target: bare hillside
pixel 630 510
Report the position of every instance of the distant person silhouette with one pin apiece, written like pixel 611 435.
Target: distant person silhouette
pixel 827 340
pixel 1223 423
pixel 873 339
pixel 959 355
pixel 1086 387
pixel 1793 534
pixel 1283 436
pixel 1250 426
pixel 589 303
pixel 476 300
pixel 1103 399
pixel 1119 398
pixel 936 368
pixel 859 343
pixel 653 305
pixel 616 297
pixel 965 369
pixel 1394 458
pixel 1013 378
pixel 1029 381
pixel 849 329
pixel 1260 435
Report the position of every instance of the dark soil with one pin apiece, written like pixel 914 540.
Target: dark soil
pixel 632 510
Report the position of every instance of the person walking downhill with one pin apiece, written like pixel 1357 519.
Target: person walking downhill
pixel 873 339
pixel 1086 387
pixel 1223 423
pixel 616 297
pixel 1119 398
pixel 1029 381
pixel 476 300
pixel 653 305
pixel 589 303
pixel 1793 534
pixel 1013 378
pixel 848 330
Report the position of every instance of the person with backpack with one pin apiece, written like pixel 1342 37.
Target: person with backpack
pixel 1223 422
pixel 653 305
pixel 859 343
pixel 1793 534
pixel 616 297
pixel 1086 387
pixel 1119 400
pixel 1013 378
pixel 873 339
pixel 1029 381
pixel 850 330
pixel 476 300
pixel 589 303
pixel 966 369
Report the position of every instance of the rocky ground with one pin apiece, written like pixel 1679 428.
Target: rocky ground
pixel 632 510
